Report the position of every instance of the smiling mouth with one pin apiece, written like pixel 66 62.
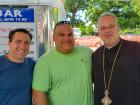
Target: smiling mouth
pixel 22 52
pixel 67 42
pixel 108 35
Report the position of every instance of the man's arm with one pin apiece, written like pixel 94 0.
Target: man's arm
pixel 39 97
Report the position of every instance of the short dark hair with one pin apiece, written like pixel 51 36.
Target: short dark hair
pixel 12 32
pixel 61 23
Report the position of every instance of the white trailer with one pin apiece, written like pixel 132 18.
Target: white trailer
pixel 38 16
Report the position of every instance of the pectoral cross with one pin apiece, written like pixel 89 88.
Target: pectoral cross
pixel 106 100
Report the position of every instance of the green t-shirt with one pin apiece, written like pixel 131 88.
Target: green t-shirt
pixel 66 78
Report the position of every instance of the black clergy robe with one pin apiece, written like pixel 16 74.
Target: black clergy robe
pixel 125 82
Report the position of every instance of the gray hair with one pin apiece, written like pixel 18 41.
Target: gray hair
pixel 107 14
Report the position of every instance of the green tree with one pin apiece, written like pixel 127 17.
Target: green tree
pixel 128 18
pixel 136 6
pixel 128 13
pixel 72 7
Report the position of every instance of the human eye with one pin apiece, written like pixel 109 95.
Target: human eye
pixel 70 35
pixel 18 41
pixel 102 28
pixel 27 43
pixel 61 35
pixel 111 26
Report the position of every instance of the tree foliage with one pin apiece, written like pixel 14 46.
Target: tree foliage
pixel 128 13
pixel 136 6
pixel 127 16
pixel 72 7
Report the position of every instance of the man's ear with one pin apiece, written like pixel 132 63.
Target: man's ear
pixel 53 38
pixel 9 43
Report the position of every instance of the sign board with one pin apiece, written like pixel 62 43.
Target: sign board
pixel 16 15
pixel 18 1
pixel 17 18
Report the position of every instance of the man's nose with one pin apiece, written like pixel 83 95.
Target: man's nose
pixel 67 37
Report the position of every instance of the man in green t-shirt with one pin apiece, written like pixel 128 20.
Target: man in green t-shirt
pixel 62 76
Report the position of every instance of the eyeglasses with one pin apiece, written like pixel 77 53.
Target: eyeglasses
pixel 107 27
pixel 61 23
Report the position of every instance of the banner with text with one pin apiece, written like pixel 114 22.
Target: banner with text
pixel 17 18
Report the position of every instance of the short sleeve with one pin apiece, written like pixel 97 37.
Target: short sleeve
pixel 41 76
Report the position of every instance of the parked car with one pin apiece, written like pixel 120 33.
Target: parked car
pixel 77 32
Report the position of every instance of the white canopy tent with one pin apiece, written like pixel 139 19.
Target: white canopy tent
pixel 53 3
